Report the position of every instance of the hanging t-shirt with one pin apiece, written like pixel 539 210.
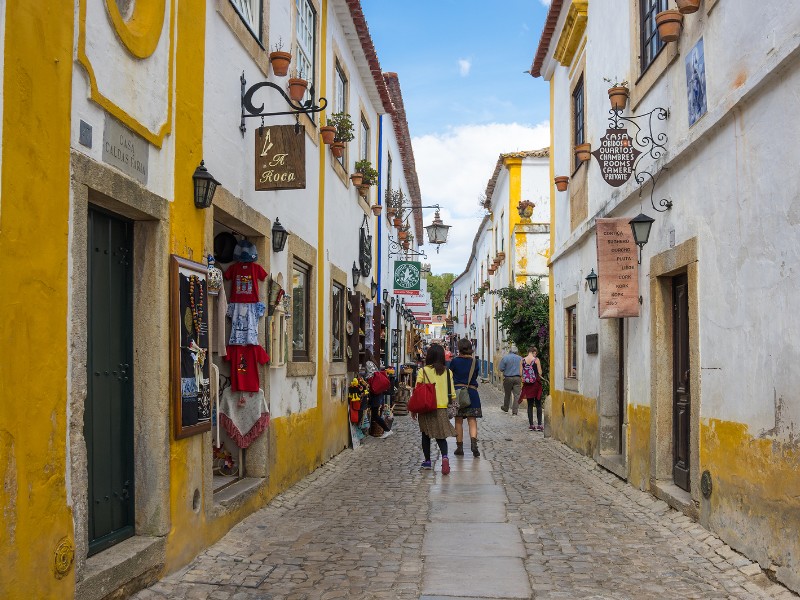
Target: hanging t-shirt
pixel 244 322
pixel 245 277
pixel 244 367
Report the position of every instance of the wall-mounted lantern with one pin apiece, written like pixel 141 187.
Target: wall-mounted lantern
pixel 356 274
pixel 391 302
pixel 385 296
pixel 373 288
pixel 204 186
pixel 591 279
pixel 279 236
pixel 437 231
pixel 641 225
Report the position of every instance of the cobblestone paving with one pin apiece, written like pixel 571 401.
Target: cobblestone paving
pixel 355 529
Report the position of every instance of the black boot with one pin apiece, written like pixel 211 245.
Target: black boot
pixel 474 447
pixel 459 449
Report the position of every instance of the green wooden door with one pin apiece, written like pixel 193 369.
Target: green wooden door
pixel 108 418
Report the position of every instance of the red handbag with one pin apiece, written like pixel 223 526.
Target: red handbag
pixel 423 398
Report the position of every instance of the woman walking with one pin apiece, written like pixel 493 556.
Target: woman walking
pixel 531 370
pixel 465 375
pixel 435 424
pixel 376 400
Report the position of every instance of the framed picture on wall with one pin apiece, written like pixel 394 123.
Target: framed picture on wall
pixel 190 388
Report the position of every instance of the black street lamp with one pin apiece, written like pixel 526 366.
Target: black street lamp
pixel 591 279
pixel 204 186
pixel 356 274
pixel 279 236
pixel 640 225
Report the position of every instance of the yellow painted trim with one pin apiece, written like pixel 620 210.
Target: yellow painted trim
pixel 572 32
pixel 141 32
pixel 514 166
pixel 154 137
pixel 550 285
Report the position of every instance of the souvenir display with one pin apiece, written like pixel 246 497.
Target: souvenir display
pixel 349 328
pixel 244 367
pixel 244 277
pixel 244 322
pixel 214 277
pixel 244 415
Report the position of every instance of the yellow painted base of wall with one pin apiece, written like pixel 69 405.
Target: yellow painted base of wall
pixel 638 446
pixel 573 420
pixel 755 500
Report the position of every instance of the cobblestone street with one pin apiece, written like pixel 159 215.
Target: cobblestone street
pixel 528 519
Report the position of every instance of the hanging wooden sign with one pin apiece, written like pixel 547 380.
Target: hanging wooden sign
pixel 617 270
pixel 280 158
pixel 617 155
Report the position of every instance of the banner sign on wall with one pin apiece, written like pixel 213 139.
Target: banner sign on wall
pixel 616 156
pixel 280 158
pixel 617 270
pixel 407 276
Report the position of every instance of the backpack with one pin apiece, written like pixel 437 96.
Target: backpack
pixel 528 372
pixel 379 383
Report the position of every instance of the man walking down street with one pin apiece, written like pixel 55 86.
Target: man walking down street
pixel 512 382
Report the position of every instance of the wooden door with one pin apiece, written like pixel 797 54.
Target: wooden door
pixel 108 416
pixel 680 378
pixel 621 387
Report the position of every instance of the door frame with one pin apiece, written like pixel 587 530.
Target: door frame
pixel 663 267
pixel 104 187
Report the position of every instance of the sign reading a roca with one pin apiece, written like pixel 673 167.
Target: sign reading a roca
pixel 280 158
pixel 617 156
pixel 617 270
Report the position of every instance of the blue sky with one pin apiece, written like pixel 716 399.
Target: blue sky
pixel 461 66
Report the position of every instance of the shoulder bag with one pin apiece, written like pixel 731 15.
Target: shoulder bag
pixel 464 401
pixel 452 402
pixel 423 398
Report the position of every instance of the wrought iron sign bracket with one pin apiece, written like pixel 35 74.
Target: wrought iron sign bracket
pixel 296 108
pixel 652 144
pixel 396 249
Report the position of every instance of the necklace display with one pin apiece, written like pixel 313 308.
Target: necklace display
pixel 195 304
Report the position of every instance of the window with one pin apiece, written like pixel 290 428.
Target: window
pixel 339 89
pixel 650 42
pixel 278 337
pixel 572 343
pixel 578 117
pixel 250 12
pixel 502 234
pixel 363 150
pixel 300 303
pixel 306 40
pixel 388 176
pixel 337 322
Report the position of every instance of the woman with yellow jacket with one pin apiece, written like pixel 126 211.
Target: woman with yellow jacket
pixel 435 424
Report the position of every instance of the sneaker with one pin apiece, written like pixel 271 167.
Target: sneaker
pixel 539 428
pixel 445 465
pixel 532 428
pixel 504 409
pixel 387 434
pixel 426 464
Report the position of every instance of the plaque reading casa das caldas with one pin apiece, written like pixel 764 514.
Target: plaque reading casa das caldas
pixel 617 270
pixel 280 158
pixel 617 156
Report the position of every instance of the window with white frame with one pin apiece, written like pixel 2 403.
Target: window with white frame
pixel 339 89
pixel 306 40
pixel 363 150
pixel 250 12
pixel 571 339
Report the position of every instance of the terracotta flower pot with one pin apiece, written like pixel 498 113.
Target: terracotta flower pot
pixel 391 212
pixel 397 221
pixel 363 190
pixel 618 96
pixel 583 152
pixel 280 63
pixel 356 178
pixel 562 181
pixel 688 7
pixel 402 235
pixel 376 209
pixel 501 256
pixel 669 24
pixel 337 148
pixel 297 88
pixel 406 244
pixel 328 132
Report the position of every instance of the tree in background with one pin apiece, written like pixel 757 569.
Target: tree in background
pixel 524 316
pixel 438 286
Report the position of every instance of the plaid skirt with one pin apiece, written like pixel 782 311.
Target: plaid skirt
pixel 435 424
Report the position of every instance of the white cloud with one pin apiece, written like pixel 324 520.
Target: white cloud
pixel 545 2
pixel 464 65
pixel 453 170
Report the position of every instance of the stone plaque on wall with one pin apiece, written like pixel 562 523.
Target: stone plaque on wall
pixel 617 270
pixel 125 150
pixel 280 158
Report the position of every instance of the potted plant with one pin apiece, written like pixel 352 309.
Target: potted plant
pixel 397 222
pixel 328 133
pixel 618 93
pixel 279 60
pixel 501 256
pixel 402 235
pixel 562 181
pixel 369 175
pixel 376 209
pixel 297 87
pixel 669 24
pixel 406 244
pixel 583 152
pixel 344 132
pixel 688 7
pixel 363 190
pixel 356 178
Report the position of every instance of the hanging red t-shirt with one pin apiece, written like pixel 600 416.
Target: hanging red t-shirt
pixel 245 278
pixel 244 367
